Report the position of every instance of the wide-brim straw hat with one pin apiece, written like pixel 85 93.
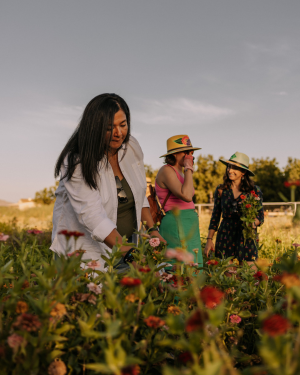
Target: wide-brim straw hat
pixel 240 160
pixel 179 143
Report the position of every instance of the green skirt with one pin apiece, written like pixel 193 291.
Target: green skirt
pixel 182 231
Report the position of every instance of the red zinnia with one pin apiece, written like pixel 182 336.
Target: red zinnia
pixel 212 262
pixel 277 278
pixel 211 296
pixel 131 370
pixel 196 321
pixel 185 357
pixel 248 205
pixel 275 325
pixel 253 193
pixel 259 275
pixel 76 234
pixel 242 196
pixel 130 281
pixel 154 321
pixel 27 322
pixel 145 269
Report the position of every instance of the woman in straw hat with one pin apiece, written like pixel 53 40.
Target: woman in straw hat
pixel 174 187
pixel 227 198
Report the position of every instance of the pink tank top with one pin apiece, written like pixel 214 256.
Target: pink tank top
pixel 173 201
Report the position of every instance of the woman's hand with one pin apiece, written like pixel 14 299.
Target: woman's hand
pixel 188 161
pixel 209 247
pixel 155 233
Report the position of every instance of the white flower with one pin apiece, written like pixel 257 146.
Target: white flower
pixel 257 198
pixel 97 289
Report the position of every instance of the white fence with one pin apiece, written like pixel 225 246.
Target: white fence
pixel 276 208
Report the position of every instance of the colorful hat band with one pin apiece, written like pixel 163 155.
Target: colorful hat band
pixel 236 162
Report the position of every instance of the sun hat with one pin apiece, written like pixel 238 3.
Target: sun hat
pixel 239 159
pixel 179 143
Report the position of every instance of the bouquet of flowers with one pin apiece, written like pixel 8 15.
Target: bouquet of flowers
pixel 250 206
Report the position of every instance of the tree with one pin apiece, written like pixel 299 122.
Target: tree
pixel 208 175
pixel 269 177
pixel 150 172
pixel 292 173
pixel 46 196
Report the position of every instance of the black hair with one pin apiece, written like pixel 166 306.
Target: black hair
pixel 88 144
pixel 247 183
pixel 170 159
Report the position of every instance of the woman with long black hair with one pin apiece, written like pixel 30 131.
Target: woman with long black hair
pixel 227 199
pixel 102 189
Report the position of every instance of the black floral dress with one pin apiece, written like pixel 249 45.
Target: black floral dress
pixel 230 239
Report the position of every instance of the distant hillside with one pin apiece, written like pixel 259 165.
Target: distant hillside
pixel 4 203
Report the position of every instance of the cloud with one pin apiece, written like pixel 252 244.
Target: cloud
pixel 178 111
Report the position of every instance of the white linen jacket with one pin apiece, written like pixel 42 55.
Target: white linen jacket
pixel 94 212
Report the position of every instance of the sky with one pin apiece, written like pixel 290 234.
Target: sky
pixel 227 73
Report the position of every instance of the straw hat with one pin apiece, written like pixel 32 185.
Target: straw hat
pixel 240 160
pixel 179 143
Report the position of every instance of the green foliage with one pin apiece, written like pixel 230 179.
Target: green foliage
pixel 153 325
pixel 47 195
pixel 208 175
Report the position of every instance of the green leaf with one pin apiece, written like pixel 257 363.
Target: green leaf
pixel 245 314
pixel 99 367
pixel 54 354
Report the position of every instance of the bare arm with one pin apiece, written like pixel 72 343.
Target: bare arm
pixel 112 238
pixel 167 178
pixel 146 217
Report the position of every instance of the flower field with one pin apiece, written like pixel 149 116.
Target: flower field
pixel 58 318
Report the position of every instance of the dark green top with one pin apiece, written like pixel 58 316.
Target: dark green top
pixel 126 219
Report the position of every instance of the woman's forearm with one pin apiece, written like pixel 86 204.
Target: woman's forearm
pixel 188 185
pixel 147 217
pixel 211 233
pixel 113 238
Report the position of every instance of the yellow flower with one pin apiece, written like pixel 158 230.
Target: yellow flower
pixel 131 298
pixel 58 310
pixel 174 310
pixel 235 261
pixel 262 263
pixel 196 251
pixel 57 368
pixel 290 280
pixel 22 307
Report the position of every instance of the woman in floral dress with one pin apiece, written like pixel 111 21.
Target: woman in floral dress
pixel 227 199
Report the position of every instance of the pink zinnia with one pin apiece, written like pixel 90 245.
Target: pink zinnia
pixel 235 319
pixel 296 245
pixel 93 264
pixel 180 254
pixel 15 341
pixel 34 231
pixel 154 242
pixel 4 237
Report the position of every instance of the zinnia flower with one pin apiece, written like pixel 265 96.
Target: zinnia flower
pixel 242 196
pixel 185 357
pixel 212 262
pixel 196 321
pixel 253 192
pixel 131 370
pixel 180 254
pixel 58 311
pixel 4 237
pixel 131 298
pixel 57 368
pixel 290 280
pixel 296 245
pixel 211 296
pixel 275 325
pixel 154 242
pixel 15 341
pixel 145 269
pixel 166 276
pixel 235 319
pixel 22 307
pixel 130 281
pixel 174 310
pixel 34 231
pixel 248 205
pixel 94 264
pixel 97 289
pixel 260 276
pixel 27 322
pixel 154 321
